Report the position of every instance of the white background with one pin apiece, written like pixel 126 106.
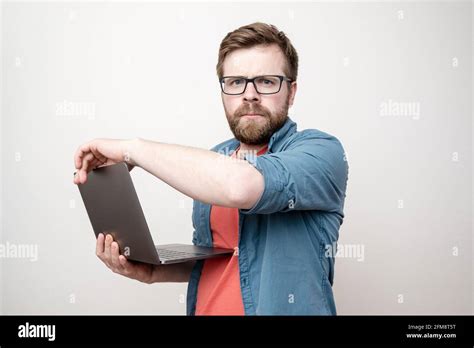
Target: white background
pixel 148 70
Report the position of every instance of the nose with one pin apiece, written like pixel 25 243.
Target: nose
pixel 250 93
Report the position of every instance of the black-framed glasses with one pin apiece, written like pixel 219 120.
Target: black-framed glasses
pixel 265 84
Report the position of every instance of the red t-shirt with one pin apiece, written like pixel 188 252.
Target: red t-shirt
pixel 219 286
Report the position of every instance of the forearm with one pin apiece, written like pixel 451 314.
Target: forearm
pixel 203 175
pixel 174 273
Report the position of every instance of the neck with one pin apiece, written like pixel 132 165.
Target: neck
pixel 249 148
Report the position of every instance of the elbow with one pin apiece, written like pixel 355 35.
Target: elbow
pixel 237 198
pixel 246 189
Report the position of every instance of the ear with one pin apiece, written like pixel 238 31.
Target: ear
pixel 291 97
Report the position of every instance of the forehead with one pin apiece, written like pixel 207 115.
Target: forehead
pixel 254 61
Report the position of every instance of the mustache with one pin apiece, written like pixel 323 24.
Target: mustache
pixel 243 110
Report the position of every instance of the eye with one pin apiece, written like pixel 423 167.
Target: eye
pixel 236 82
pixel 266 81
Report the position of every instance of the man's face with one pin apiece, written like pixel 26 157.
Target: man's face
pixel 272 109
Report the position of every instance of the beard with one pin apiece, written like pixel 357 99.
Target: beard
pixel 256 131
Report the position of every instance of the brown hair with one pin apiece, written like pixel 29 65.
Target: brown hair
pixel 258 34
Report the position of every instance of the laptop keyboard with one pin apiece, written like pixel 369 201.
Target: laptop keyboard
pixel 174 254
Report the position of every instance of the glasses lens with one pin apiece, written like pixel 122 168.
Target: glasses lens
pixel 267 84
pixel 233 85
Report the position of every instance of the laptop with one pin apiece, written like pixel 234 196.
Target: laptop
pixel 113 208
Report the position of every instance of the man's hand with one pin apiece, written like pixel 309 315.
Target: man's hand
pixel 108 251
pixel 97 153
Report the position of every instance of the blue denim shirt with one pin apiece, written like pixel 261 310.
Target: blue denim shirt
pixel 284 266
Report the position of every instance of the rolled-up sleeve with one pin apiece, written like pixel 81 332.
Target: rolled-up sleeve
pixel 310 175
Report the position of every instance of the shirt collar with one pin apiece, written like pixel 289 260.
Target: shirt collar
pixel 288 128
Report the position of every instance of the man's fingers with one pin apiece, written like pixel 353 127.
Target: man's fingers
pixel 76 178
pixel 108 242
pixel 123 261
pixel 94 164
pixel 78 158
pixel 108 251
pixel 85 168
pixel 115 256
pixel 99 246
pixel 80 153
pixel 101 159
pixel 127 266
pixel 81 177
pixel 86 160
